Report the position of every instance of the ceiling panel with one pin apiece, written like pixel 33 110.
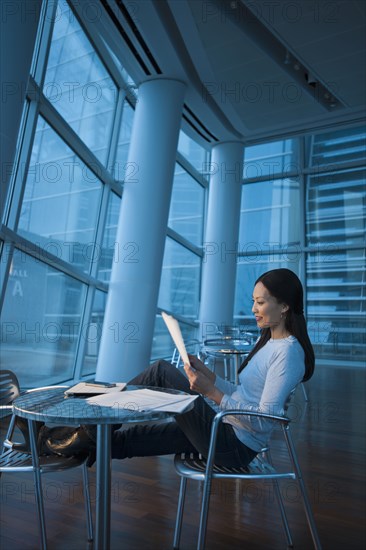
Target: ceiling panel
pixel 249 66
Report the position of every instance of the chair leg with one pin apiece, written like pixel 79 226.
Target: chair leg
pixel 180 510
pixel 304 392
pixel 227 369
pixel 285 524
pixel 86 490
pixel 204 512
pixel 9 433
pixel 281 505
pixel 305 498
pixel 37 484
pixel 309 515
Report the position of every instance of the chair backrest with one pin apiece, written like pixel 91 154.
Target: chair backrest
pixel 9 387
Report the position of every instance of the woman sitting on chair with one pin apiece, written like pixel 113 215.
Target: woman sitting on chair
pixel 282 358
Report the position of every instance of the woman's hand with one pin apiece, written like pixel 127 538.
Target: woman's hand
pixel 201 367
pixel 200 382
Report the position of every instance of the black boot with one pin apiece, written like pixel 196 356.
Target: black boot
pixel 72 441
pixel 68 441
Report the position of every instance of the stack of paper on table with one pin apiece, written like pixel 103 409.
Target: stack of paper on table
pixel 144 400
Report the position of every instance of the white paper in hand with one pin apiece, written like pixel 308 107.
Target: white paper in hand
pixel 175 333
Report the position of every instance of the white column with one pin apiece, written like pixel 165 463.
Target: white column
pixel 18 29
pixel 134 286
pixel 221 238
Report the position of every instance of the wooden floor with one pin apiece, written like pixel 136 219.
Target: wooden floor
pixel 329 432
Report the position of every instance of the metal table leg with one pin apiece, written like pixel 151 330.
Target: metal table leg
pixel 103 497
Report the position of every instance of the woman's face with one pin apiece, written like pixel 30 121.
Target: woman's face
pixel 266 309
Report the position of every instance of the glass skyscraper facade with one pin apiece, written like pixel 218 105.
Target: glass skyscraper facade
pixel 303 207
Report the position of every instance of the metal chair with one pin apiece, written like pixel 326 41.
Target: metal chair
pixel 198 469
pixel 14 458
pixel 304 392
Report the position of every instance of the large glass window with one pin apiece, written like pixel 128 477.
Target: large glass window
pixel 78 84
pixel 41 321
pixel 64 205
pixel 68 205
pixel 269 216
pixel 108 249
pixel 196 155
pixel 179 294
pixel 336 301
pixel 335 233
pixel 92 333
pixel 327 253
pixel 270 232
pixel 186 207
pixel 179 285
pixel 248 270
pixel 61 200
pixel 163 345
pixel 336 208
pixel 266 160
pixel 181 273
pixel 124 142
pixel 342 146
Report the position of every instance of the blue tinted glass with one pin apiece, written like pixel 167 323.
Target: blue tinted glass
pixel 278 157
pixel 269 236
pixel 269 216
pixel 41 322
pixel 61 200
pixel 92 333
pixel 123 144
pixel 336 206
pixel 109 237
pixel 345 145
pixel 336 305
pixel 248 271
pixel 186 206
pixel 163 345
pixel 335 232
pixel 180 278
pixel 78 85
pixel 193 152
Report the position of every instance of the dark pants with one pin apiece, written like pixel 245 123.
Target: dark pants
pixel 190 432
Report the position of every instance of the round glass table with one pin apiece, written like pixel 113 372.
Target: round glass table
pixel 53 406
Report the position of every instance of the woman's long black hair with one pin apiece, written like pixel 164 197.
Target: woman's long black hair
pixel 286 287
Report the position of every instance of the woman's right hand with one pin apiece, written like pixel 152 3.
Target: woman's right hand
pixel 201 367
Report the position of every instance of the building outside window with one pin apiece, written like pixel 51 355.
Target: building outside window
pixel 335 247
pixel 308 214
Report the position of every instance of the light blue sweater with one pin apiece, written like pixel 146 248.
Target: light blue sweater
pixel 264 385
